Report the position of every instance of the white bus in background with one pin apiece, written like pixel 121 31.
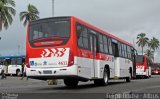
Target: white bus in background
pixel 13 64
pixel 1 65
pixel 15 67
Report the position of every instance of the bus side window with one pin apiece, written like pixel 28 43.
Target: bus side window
pixel 79 31
pixel 110 46
pixel 119 48
pixel 101 43
pixel 79 36
pixel 82 37
pixel 105 41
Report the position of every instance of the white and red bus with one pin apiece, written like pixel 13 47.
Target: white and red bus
pixel 71 49
pixel 143 66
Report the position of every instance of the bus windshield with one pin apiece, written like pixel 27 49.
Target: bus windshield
pixel 139 59
pixel 49 29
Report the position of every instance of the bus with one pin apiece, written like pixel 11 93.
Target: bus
pixel 13 64
pixel 156 69
pixel 71 49
pixel 143 66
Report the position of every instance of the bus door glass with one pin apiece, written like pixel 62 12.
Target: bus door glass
pixel 133 53
pixel 93 45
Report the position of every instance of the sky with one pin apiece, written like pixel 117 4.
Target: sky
pixel 122 18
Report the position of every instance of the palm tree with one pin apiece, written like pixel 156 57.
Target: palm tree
pixel 142 40
pixel 150 53
pixel 30 15
pixel 154 44
pixel 7 11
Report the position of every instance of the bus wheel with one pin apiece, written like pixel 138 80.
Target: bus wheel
pixel 18 72
pixel 71 82
pixel 103 81
pixel 128 79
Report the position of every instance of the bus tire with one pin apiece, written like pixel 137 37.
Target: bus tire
pixel 18 73
pixel 130 71
pixel 128 79
pixel 71 82
pixel 104 80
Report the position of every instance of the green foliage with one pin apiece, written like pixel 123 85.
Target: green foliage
pixel 30 15
pixel 154 44
pixel 142 40
pixel 7 11
pixel 150 53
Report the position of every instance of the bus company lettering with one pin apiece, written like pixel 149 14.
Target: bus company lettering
pixel 108 58
pixel 54 52
pixel 140 66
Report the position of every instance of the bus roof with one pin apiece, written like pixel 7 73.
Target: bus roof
pixel 102 31
pixel 18 56
pixel 91 26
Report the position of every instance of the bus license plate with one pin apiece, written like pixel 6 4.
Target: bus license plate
pixel 47 72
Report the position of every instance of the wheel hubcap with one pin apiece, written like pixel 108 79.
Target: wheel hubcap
pixel 105 77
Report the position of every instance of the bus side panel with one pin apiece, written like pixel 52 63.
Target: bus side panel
pixel 122 67
pixel 88 71
pixel 108 62
pixel 83 70
pixel 84 67
pixel 13 68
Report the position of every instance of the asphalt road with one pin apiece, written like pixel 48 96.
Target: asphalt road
pixel 25 89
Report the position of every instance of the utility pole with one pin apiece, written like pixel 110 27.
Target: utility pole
pixel 52 8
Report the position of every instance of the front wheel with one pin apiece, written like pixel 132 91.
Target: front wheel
pixel 71 82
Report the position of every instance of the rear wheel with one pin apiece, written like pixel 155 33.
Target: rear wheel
pixel 18 73
pixel 128 79
pixel 71 82
pixel 103 81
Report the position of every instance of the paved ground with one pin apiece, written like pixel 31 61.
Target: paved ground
pixel 40 88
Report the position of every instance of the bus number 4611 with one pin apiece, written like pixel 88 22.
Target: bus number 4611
pixel 63 63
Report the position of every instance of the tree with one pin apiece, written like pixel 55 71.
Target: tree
pixel 150 53
pixel 154 44
pixel 30 15
pixel 7 11
pixel 142 40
